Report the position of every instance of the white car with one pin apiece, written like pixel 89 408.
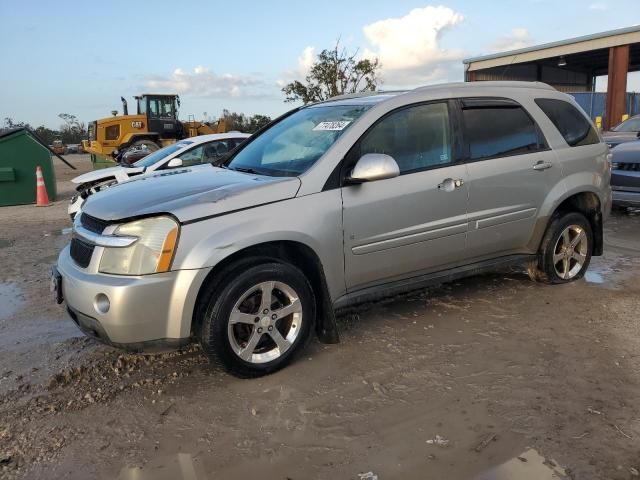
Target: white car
pixel 185 153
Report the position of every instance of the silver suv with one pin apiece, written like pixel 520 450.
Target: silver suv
pixel 336 203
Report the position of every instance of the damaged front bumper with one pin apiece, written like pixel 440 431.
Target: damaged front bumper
pixel 148 312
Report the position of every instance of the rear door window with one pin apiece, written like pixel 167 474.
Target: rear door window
pixel 499 130
pixel 569 121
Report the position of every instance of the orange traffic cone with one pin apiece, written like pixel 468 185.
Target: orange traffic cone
pixel 42 199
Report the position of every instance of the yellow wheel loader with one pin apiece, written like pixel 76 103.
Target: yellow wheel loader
pixel 154 125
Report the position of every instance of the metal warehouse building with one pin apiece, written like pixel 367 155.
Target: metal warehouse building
pixel 571 66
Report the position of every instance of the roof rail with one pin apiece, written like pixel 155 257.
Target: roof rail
pixel 437 86
pixel 488 84
pixel 362 94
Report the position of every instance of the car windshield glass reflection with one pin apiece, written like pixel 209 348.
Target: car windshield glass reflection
pixel 160 154
pixel 631 125
pixel 293 145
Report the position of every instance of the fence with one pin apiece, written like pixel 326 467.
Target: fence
pixel 595 103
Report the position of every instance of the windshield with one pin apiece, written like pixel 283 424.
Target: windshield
pixel 160 154
pixel 631 125
pixel 293 145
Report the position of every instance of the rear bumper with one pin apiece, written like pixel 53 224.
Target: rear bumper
pixel 144 311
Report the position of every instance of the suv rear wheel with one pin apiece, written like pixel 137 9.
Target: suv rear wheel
pixel 565 251
pixel 259 320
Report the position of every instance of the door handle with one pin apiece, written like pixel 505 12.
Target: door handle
pixel 450 184
pixel 542 165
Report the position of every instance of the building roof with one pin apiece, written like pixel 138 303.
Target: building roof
pixel 595 41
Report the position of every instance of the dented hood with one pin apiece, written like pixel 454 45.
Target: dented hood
pixel 189 193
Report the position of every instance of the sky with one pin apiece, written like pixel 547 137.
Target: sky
pixel 79 57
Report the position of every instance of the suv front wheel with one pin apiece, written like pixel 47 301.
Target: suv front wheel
pixel 565 251
pixel 258 320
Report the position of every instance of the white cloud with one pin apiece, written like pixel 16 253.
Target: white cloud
pixel 518 38
pixel 305 62
pixel 598 6
pixel 202 82
pixel 409 47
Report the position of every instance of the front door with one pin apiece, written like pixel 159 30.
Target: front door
pixel 414 223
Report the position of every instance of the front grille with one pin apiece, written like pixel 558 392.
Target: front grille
pixel 93 224
pixel 81 252
pixel 629 167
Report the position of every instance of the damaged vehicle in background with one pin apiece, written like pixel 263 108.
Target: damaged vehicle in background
pixel 185 153
pixel 627 131
pixel 337 203
pixel 625 175
pixel 133 154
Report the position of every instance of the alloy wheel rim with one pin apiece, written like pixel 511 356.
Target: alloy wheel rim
pixel 265 322
pixel 570 252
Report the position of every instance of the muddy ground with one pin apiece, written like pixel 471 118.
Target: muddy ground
pixel 442 383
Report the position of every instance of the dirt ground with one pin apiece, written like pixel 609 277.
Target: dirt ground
pixel 445 383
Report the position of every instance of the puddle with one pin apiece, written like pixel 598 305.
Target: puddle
pixel 38 331
pixel 11 299
pixel 5 243
pixel 593 277
pixel 530 465
pixel 610 273
pixel 182 466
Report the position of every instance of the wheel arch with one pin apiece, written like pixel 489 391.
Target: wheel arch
pixel 589 204
pixel 293 252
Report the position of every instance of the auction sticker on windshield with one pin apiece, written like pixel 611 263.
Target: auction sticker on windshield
pixel 331 126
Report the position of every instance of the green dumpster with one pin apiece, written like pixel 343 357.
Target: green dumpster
pixel 20 153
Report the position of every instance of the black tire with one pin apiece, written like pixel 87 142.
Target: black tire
pixel 543 269
pixel 218 301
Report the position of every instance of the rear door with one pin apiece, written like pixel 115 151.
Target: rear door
pixel 404 226
pixel 511 170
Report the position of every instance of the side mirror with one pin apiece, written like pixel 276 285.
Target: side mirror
pixel 372 167
pixel 175 163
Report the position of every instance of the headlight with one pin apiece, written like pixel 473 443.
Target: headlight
pixel 151 253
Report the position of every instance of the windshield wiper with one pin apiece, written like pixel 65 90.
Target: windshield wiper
pixel 245 170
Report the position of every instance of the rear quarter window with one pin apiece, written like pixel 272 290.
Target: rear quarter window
pixel 570 122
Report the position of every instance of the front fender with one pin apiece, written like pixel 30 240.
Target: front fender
pixel 313 220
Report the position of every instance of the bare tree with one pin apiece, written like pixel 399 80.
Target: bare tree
pixel 72 131
pixel 335 72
